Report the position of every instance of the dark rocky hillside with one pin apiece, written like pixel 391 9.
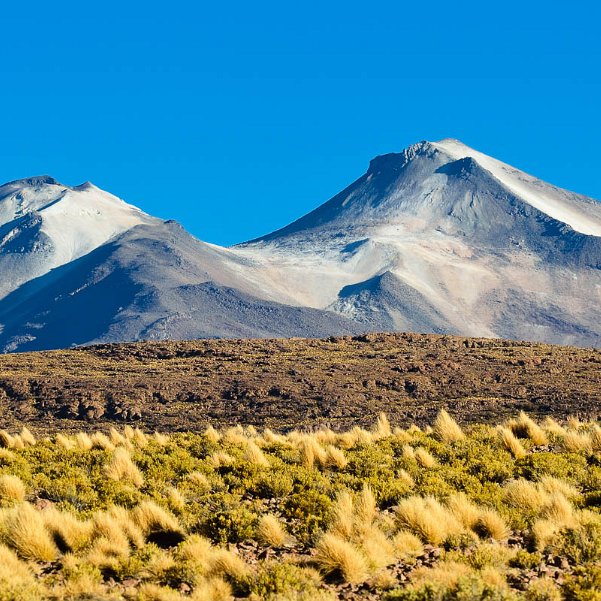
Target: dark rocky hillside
pixel 283 384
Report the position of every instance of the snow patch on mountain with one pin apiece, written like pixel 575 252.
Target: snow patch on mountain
pixel 581 214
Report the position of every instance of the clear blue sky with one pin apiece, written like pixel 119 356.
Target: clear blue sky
pixel 236 118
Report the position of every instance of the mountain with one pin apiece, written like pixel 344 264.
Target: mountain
pixel 438 238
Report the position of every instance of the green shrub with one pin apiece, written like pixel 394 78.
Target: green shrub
pixel 582 543
pixel 283 578
pixel 583 585
pixel 230 526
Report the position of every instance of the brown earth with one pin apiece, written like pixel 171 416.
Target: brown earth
pixel 290 383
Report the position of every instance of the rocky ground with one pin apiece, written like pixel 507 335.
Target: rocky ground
pixel 284 384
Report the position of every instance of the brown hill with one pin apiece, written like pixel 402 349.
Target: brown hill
pixel 296 382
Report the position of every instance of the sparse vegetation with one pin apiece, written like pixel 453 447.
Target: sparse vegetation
pixel 446 513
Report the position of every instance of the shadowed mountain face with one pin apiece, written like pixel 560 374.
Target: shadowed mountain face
pixel 438 238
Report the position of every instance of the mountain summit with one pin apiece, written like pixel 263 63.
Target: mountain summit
pixel 436 238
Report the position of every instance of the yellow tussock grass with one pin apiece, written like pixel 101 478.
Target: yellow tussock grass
pixel 117 523
pixel 405 477
pixel 271 437
pixel 212 589
pixel 335 458
pixel 150 517
pixel 199 481
pixel 382 426
pixel 525 427
pixel 491 525
pixel 427 518
pixel 102 441
pixel 596 438
pixel 123 469
pixel 378 550
pixel 366 508
pixel 525 495
pixel 6 440
pixel 69 533
pixel 424 458
pixel 447 429
pixel 161 439
pixel 406 544
pixel 12 489
pixel 25 531
pixel 64 441
pixel 271 531
pixel 196 549
pixel 175 499
pixel 445 573
pixel 117 438
pixel 343 515
pixel 220 458
pixel 335 554
pixel 551 426
pixel 227 564
pixel 543 532
pixel 559 510
pixel 153 592
pixel 27 437
pixel 574 441
pixel 83 441
pixel 511 443
pixel 255 456
pixel 312 452
pixel 464 510
pixel 551 485
pixel 408 452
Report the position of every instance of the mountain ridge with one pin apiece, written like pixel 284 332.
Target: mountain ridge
pixel 436 238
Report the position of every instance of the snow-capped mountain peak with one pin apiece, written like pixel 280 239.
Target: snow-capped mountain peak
pixel 436 238
pixel 47 224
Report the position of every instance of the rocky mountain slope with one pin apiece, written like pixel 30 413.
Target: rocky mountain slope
pixel 437 238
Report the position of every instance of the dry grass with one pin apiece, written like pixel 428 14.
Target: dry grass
pixel 526 495
pixel 446 574
pixel 427 518
pixel 425 458
pixel 525 427
pixel 352 519
pixel 25 532
pixel 312 452
pixel 220 459
pixel 511 443
pixel 382 426
pixel 150 517
pixel 464 510
pixel 335 554
pixel 102 441
pixel 123 469
pixel 271 531
pixel 552 426
pixel 254 455
pixel 491 525
pixel 12 489
pixel 227 564
pixel 27 437
pixel 335 458
pixel 447 429
pixel 73 534
pixel 574 442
